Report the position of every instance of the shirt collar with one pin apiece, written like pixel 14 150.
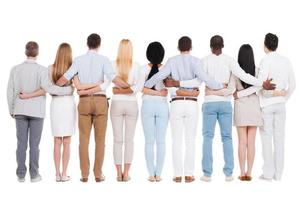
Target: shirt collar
pixel 30 60
pixel 92 51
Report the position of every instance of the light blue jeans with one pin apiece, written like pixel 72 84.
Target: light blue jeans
pixel 213 112
pixel 155 116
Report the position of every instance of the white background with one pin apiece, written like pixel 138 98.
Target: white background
pixel 52 22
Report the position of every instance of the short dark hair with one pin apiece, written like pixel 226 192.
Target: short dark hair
pixel 93 41
pixel 31 49
pixel 216 42
pixel 271 41
pixel 185 44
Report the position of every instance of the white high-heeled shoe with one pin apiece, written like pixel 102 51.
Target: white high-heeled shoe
pixel 65 178
pixel 58 178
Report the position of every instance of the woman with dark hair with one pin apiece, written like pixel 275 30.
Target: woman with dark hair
pixel 155 113
pixel 247 112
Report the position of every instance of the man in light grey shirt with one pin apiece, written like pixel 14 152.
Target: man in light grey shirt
pixel 29 113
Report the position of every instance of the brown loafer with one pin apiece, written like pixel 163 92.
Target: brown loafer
pixel 242 178
pixel 189 179
pixel 248 178
pixel 84 180
pixel 177 179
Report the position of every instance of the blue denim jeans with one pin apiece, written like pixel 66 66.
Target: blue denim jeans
pixel 213 112
pixel 155 116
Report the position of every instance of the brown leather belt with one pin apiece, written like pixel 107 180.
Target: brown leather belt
pixel 184 98
pixel 93 95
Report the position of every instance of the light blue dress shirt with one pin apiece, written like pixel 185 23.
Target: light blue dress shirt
pixel 91 68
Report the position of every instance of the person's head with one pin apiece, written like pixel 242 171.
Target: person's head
pixel 124 58
pixel 271 42
pixel 32 49
pixel 93 41
pixel 63 61
pixel 216 44
pixel 185 44
pixel 155 53
pixel 246 61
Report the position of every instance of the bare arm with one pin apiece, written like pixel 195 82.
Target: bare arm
pixel 89 91
pixel 163 92
pixel 187 93
pixel 37 93
pixel 80 86
pixel 120 83
pixel 61 81
pixel 117 90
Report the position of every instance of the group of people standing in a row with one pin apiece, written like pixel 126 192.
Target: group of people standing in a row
pixel 260 96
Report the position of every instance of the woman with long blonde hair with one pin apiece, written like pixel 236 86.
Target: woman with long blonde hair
pixel 124 108
pixel 62 112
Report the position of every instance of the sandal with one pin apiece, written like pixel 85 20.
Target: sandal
pixel 151 179
pixel 177 179
pixel 84 180
pixel 243 178
pixel 248 178
pixel 158 178
pixel 102 178
pixel 189 179
pixel 126 178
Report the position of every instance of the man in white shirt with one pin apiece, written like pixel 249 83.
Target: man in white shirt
pixel 279 68
pixel 218 108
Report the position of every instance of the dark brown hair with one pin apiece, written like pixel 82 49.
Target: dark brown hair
pixel 216 42
pixel 184 44
pixel 31 49
pixel 93 41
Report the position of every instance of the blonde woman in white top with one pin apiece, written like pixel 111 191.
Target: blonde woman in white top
pixel 124 108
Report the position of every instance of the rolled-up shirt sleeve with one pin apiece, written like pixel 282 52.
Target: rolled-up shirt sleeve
pixel 202 76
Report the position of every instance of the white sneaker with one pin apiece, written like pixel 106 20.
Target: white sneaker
pixel 229 178
pixel 36 179
pixel 262 177
pixel 205 178
pixel 21 180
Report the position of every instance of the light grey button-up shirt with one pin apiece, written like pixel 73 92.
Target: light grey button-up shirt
pixel 183 67
pixel 29 77
pixel 92 68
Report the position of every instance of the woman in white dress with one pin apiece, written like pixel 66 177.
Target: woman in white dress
pixel 62 112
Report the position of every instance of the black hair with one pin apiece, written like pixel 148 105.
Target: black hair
pixel 271 41
pixel 93 41
pixel 185 44
pixel 216 42
pixel 155 54
pixel 246 61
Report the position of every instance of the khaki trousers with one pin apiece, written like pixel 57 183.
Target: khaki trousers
pixel 92 111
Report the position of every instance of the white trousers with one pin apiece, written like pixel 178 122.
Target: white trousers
pixel 272 138
pixel 183 120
